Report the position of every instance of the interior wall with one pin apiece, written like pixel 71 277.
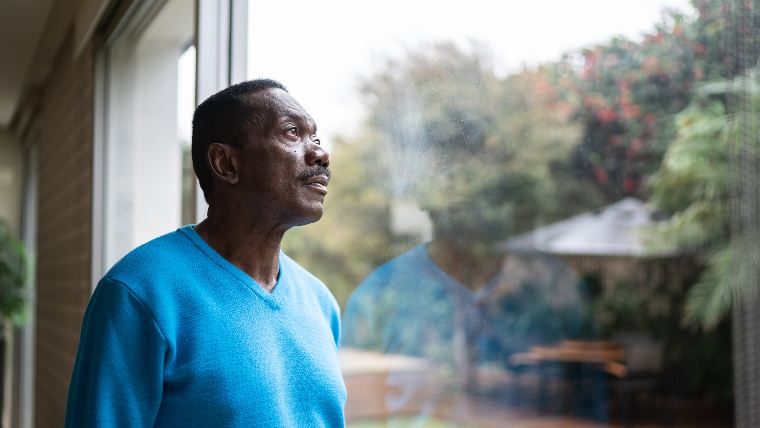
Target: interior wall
pixel 64 121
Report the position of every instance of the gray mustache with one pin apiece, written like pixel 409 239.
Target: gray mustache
pixel 317 170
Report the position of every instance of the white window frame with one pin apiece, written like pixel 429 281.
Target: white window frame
pixel 221 41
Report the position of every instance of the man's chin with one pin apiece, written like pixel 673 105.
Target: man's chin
pixel 310 215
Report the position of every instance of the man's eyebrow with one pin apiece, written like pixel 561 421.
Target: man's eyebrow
pixel 299 117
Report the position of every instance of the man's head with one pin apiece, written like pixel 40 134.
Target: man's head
pixel 254 147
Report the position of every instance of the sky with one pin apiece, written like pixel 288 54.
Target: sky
pixel 322 50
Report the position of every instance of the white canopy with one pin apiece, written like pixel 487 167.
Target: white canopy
pixel 613 231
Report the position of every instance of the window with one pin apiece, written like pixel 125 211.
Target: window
pixel 528 212
pixel 149 99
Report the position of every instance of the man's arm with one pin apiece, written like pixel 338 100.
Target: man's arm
pixel 118 374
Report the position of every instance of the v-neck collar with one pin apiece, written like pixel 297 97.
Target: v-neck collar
pixel 274 298
pixel 452 283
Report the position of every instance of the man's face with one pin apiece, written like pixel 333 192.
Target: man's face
pixel 284 168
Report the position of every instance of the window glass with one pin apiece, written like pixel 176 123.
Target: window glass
pixel 185 108
pixel 150 98
pixel 528 217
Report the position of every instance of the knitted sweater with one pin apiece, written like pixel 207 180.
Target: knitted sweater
pixel 177 336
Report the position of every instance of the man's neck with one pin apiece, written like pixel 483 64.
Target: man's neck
pixel 473 264
pixel 251 245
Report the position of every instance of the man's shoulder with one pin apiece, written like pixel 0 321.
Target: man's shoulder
pixel 409 263
pixel 308 280
pixel 300 272
pixel 154 258
pixel 399 274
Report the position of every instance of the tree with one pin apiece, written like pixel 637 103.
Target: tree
pixel 626 94
pixel 693 188
pixel 455 137
pixel 625 91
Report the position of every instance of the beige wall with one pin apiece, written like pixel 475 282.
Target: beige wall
pixel 64 122
pixel 11 176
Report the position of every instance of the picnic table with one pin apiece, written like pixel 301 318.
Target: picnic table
pixel 581 366
pixel 609 356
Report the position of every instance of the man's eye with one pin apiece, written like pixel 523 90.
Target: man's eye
pixel 292 131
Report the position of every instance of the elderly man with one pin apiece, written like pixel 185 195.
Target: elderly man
pixel 213 325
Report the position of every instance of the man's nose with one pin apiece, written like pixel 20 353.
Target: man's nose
pixel 318 155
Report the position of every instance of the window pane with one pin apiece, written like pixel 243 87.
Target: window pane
pixel 150 99
pixel 528 218
pixel 185 109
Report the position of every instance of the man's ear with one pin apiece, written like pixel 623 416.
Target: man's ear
pixel 223 160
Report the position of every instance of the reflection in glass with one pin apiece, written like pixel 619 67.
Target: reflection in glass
pixel 548 242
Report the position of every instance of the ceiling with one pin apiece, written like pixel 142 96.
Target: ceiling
pixel 21 28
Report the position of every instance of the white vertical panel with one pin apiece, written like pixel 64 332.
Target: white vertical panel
pixel 26 338
pixel 213 20
pixel 138 152
pixel 99 185
pixel 238 41
pixel 222 47
pixel 158 162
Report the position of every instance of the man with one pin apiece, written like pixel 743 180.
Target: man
pixel 213 325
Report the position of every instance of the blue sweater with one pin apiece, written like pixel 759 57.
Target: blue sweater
pixel 177 336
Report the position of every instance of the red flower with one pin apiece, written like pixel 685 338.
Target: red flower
pixel 631 111
pixel 594 102
pixel 635 147
pixel 700 49
pixel 601 175
pixel 629 185
pixel 699 74
pixel 650 120
pixel 651 64
pixel 624 87
pixel 606 115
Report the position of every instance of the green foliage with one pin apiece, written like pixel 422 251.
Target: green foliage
pixel 624 308
pixel 699 363
pixel 626 93
pixel 457 139
pixel 711 298
pixel 13 273
pixel 693 187
pixel 692 184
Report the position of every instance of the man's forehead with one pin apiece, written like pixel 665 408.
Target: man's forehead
pixel 283 105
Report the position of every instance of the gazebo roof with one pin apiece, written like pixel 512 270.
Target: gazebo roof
pixel 614 230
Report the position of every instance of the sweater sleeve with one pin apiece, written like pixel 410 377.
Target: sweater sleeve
pixel 117 379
